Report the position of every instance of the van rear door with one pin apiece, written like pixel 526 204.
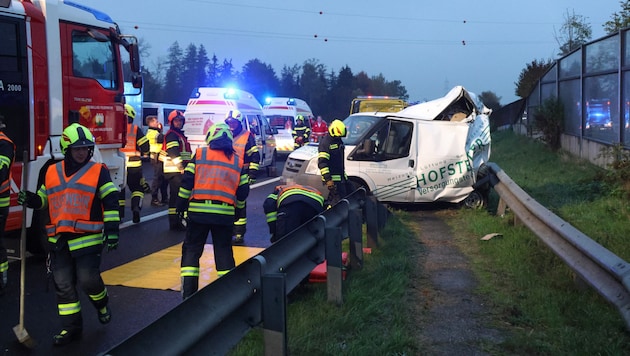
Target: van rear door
pixel 444 172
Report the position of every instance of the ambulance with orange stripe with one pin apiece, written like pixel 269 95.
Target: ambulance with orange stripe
pixel 281 113
pixel 208 106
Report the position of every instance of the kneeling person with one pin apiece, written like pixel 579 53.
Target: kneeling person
pixel 297 203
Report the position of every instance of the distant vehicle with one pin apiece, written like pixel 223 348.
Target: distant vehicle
pixel 208 106
pixel 377 104
pixel 161 111
pixel 598 114
pixel 429 152
pixel 281 113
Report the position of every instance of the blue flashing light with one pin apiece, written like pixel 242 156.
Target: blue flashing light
pixel 101 16
pixel 291 102
pixel 231 93
pixel 267 100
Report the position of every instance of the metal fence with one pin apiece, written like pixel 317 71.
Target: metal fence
pixel 593 83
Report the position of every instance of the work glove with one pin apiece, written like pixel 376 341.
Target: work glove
pixel 182 216
pixel 111 240
pixel 330 185
pixel 145 186
pixel 252 179
pixel 27 198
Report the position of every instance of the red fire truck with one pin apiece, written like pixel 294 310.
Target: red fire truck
pixel 61 61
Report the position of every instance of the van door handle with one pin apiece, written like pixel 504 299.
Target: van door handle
pixel 412 163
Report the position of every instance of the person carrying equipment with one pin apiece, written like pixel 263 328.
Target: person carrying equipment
pixel 175 155
pixel 245 146
pixel 300 132
pixel 295 203
pixel 136 145
pixel 330 161
pixel 82 203
pixel 214 184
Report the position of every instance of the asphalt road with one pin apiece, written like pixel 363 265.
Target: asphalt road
pixel 132 308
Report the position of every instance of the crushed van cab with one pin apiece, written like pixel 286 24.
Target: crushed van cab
pixel 429 152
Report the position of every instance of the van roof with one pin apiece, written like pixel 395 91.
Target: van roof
pixel 219 97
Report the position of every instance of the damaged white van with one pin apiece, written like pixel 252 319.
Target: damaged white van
pixel 429 152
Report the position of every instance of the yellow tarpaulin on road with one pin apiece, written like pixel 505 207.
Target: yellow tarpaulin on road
pixel 160 270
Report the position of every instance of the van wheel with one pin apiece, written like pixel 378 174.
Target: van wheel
pixel 475 200
pixel 358 183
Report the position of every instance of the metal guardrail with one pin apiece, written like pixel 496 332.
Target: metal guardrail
pixel 606 272
pixel 216 318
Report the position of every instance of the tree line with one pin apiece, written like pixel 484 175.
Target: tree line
pixel 328 92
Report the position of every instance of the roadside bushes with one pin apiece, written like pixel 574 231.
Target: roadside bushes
pixel 549 119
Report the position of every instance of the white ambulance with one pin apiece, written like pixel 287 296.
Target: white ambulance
pixel 281 113
pixel 429 152
pixel 207 106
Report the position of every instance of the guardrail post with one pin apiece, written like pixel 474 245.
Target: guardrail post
pixel 371 221
pixel 356 238
pixel 274 312
pixel 334 265
pixel 501 208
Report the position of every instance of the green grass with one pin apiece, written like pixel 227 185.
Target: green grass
pixel 374 318
pixel 533 295
pixel 544 308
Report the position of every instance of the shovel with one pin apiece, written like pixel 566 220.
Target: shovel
pixel 20 332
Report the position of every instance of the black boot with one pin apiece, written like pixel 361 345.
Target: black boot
pixel 66 336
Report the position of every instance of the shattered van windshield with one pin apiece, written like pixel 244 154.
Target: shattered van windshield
pixel 358 126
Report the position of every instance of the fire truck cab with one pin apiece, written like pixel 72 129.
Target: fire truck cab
pixel 61 62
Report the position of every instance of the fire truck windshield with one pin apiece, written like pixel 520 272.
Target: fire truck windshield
pixel 94 59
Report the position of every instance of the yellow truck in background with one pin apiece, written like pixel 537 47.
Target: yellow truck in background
pixel 377 104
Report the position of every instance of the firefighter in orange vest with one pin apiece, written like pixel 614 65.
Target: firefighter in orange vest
pixel 137 144
pixel 245 146
pixel 175 155
pixel 290 206
pixel 83 206
pixel 7 157
pixel 214 185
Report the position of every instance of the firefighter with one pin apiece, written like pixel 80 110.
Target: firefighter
pixel 330 160
pixel 158 184
pixel 175 155
pixel 7 157
pixel 300 132
pixel 245 146
pixel 214 184
pixel 295 203
pixel 136 145
pixel 77 232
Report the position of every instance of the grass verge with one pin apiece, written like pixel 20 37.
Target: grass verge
pixel 534 296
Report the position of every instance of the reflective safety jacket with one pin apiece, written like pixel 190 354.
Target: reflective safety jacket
pixel 214 185
pixel 176 152
pixel 245 146
pixel 137 143
pixel 7 157
pixel 287 194
pixel 301 131
pixel 330 159
pixel 156 139
pixel 80 206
